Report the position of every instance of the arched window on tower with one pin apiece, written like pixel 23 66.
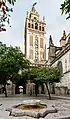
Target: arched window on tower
pixel 40 28
pixel 36 26
pixel 34 18
pixel 59 65
pixel 32 25
pixel 29 25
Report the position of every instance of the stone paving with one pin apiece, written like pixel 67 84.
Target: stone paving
pixel 63 107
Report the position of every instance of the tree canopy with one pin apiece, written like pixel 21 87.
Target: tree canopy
pixel 12 61
pixel 43 74
pixel 65 8
pixel 40 75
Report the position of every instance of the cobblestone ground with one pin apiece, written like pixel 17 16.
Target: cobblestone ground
pixel 63 107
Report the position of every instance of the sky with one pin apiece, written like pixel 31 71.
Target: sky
pixel 55 22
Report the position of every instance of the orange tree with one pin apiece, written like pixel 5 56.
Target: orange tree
pixel 12 61
pixel 40 75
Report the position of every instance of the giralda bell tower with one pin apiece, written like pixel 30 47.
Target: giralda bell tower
pixel 35 37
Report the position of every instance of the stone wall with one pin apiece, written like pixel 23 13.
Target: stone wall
pixel 60 88
pixel 30 88
pixel 10 87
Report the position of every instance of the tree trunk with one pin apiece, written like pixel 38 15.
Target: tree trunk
pixel 5 90
pixel 48 92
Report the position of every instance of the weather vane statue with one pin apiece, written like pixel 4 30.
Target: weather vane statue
pixel 35 3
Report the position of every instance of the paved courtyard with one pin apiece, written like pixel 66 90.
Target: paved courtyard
pixel 62 105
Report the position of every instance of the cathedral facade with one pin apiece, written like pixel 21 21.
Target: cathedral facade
pixel 35 37
pixel 60 57
pixel 35 49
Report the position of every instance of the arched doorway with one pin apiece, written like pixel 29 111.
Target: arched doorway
pixel 22 83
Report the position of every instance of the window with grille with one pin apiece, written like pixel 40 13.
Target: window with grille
pixel 31 54
pixel 36 49
pixel 41 55
pixel 31 40
pixel 41 42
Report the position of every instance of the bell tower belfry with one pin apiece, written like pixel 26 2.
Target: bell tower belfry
pixel 35 37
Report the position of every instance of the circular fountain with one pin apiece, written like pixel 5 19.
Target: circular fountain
pixel 31 108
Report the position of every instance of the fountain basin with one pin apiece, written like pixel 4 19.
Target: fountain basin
pixel 31 108
pixel 31 102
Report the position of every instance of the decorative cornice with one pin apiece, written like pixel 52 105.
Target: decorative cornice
pixel 37 31
pixel 35 13
pixel 36 21
pixel 61 53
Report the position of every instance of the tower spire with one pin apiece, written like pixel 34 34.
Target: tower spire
pixel 64 34
pixel 50 41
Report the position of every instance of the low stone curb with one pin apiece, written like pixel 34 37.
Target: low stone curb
pixel 31 113
pixel 59 115
pixel 24 117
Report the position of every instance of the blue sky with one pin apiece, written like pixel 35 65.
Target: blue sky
pixel 55 23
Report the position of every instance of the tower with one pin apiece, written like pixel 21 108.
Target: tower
pixel 35 37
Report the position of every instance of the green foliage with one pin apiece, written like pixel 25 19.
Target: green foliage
pixel 42 74
pixel 5 13
pixel 48 75
pixel 11 1
pixel 65 7
pixel 11 61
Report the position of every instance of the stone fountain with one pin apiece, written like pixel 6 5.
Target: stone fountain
pixel 31 108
